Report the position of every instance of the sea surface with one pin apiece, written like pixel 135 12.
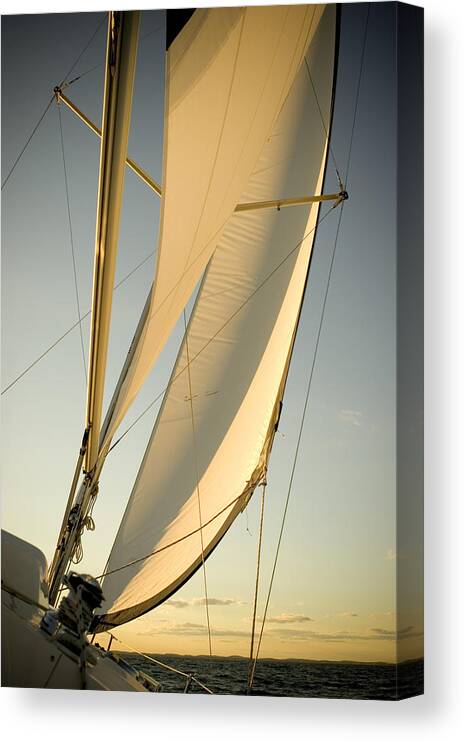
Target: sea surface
pixel 295 678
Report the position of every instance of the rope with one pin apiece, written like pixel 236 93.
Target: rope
pixel 73 327
pixel 162 664
pixel 76 290
pixel 194 443
pixel 172 543
pixel 257 579
pixel 87 524
pixel 302 422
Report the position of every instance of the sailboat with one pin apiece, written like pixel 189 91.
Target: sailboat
pixel 249 94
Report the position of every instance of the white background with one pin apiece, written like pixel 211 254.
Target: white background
pixel 80 716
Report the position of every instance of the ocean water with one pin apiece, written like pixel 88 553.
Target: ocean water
pixel 295 678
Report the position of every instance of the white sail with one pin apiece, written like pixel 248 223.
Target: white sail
pixel 228 73
pixel 211 441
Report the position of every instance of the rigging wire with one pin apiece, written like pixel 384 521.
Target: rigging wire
pixel 257 585
pixel 73 327
pixel 161 664
pixel 307 396
pixel 70 82
pixel 79 57
pixel 71 239
pixel 65 334
pixel 28 140
pixel 194 443
pixel 299 438
pixel 323 123
pixel 357 95
pixel 101 64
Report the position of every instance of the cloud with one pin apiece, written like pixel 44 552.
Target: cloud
pixel 189 628
pixel 216 601
pixel 308 635
pixel 354 417
pixel 404 633
pixel 288 618
pixel 383 614
pixel 374 634
pixel 202 601
pixel 177 603
pixel 348 614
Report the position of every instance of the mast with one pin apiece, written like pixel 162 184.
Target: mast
pixel 121 52
pixel 123 31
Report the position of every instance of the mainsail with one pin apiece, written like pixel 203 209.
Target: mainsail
pixel 228 73
pixel 212 438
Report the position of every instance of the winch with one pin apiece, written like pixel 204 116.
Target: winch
pixel 70 623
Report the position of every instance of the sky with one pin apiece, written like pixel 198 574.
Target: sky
pixel 334 594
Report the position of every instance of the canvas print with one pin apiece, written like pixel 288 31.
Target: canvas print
pixel 212 361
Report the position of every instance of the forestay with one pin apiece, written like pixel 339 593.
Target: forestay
pixel 228 73
pixel 211 441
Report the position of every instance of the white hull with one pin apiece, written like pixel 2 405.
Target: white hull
pixel 31 658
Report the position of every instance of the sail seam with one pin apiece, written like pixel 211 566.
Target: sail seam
pixel 219 143
pixel 246 139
